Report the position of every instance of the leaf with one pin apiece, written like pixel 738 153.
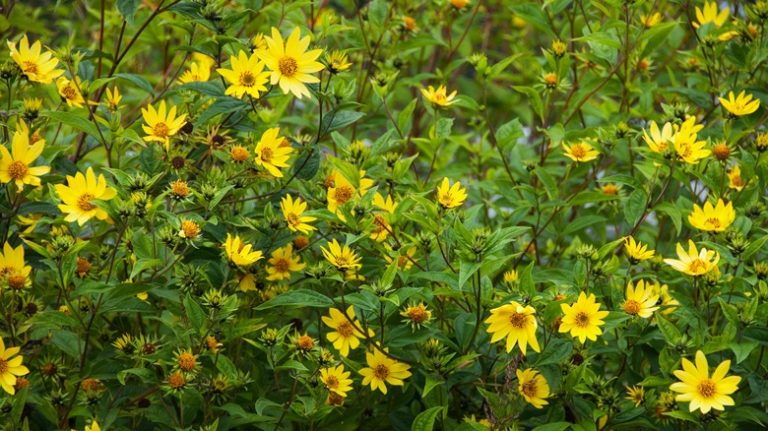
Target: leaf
pixel 508 134
pixel 635 206
pixel 195 313
pixel 73 120
pixel 443 127
pixel 137 81
pixel 127 9
pixel 307 165
pixel 754 247
pixel 554 426
pixel 338 119
pixel 298 298
pixel 668 329
pixel 425 421
pixel 431 382
pixel 549 182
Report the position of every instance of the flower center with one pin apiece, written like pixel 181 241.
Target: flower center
pixel 292 219
pixel 418 314
pixel 161 130
pixel 697 266
pixel 84 202
pixel 3 366
pixel 331 382
pixel 714 222
pixel 707 388
pixel 247 79
pixel 381 371
pixel 344 194
pixel 288 66
pixel 581 319
pixel 187 362
pixel 578 151
pixel 282 265
pixel 69 92
pixel 17 170
pixel 529 388
pixel 29 67
pixel 17 282
pixel 518 320
pixel 631 306
pixel 345 329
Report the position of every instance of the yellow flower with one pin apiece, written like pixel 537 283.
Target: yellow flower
pixel 12 267
pixel 459 4
pixel 283 263
pixel 580 152
pixel 404 257
pixel 70 91
pixel 668 303
pixel 710 14
pixel 290 63
pixel 417 314
pixel 346 334
pixel 533 387
pixel 451 196
pixel 80 193
pixel 511 276
pixel 686 145
pixel 273 151
pixel 15 165
pixel 439 97
pixel 340 191
pixel 516 323
pixel 199 70
pixel 38 66
pixel 705 392
pixel 712 218
pixel 659 140
pixel 694 262
pixel 640 300
pixel 258 42
pixel 636 394
pixel 583 318
pixel 293 211
pixel 739 105
pixel 189 230
pixel 342 257
pixel 386 204
pixel 240 253
pixel 161 124
pixel 651 20
pixel 337 62
pixel 735 181
pixel 246 76
pixel 383 370
pixel 94 426
pixel 637 251
pixel 113 98
pixel 336 380
pixel 381 226
pixel 10 367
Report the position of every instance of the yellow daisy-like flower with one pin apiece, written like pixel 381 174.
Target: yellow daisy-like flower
pixel 113 98
pixel 273 151
pixel 451 196
pixel 668 303
pixel 694 262
pixel 511 276
pixel 516 323
pixel 440 97
pixel 640 300
pixel 337 62
pixel 15 165
pixel 12 267
pixel 283 263
pixel 651 20
pixel 10 367
pixel 416 315
pixel 636 250
pixel 657 139
pixel 240 253
pixel 342 257
pixel 705 392
pixel 711 218
pixel 161 123
pixel 79 195
pixel 381 225
pixel 636 394
pixel 687 147
pixel 740 105
pixel 37 66
pixel 580 152
pixel 290 63
pixel 246 76
pixel 199 70
pixel 70 91
pixel 340 191
pixel 710 14
pixel 583 318
pixel 94 426
pixel 346 334
pixel 336 380
pixel 293 211
pixel 533 387
pixel 735 180
pixel 383 370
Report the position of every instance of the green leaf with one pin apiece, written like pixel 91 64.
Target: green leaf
pixel 195 313
pixel 443 127
pixel 298 298
pixel 307 165
pixel 137 81
pixel 127 9
pixel 425 421
pixel 508 134
pixel 431 382
pixel 549 182
pixel 338 119
pixel 635 206
pixel 754 247
pixel 668 329
pixel 554 426
pixel 72 119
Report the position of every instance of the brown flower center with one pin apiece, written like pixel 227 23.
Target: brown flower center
pixel 578 151
pixel 518 320
pixel 631 306
pixel 697 266
pixel 187 361
pixel 581 319
pixel 266 155
pixel 345 329
pixel 3 366
pixel 17 170
pixel 418 314
pixel 247 79
pixel 381 371
pixel 282 265
pixel 529 388
pixel 288 66
pixel 331 382
pixel 344 194
pixel 707 388
pixel 84 202
pixel 176 380
pixel 306 343
pixel 292 219
pixel 161 130
pixel 29 67
pixel 190 229
pixel 69 92
pixel 713 222
pixel 17 281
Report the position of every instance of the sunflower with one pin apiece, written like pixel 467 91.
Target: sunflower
pixel 688 148
pixel 199 70
pixel 710 14
pixel 342 257
pixel 336 380
pixel 451 196
pixel 705 392
pixel 383 370
pixel 439 98
pixel 636 250
pixel 636 394
pixel 516 323
pixel 239 253
pixel 12 267
pixel 283 263
pixel 273 151
pixel 340 190
pixel 711 218
pixel 10 367
pixel 533 387
pixel 246 76
pixel 739 105
pixel 161 124
pixel 416 315
pixel 381 225
pixel 659 140
pixel 293 212
pixel 694 262
pixel 36 65
pixel 70 91
pixel 640 300
pixel 583 318
pixel 79 195
pixel 580 152
pixel 337 62
pixel 15 165
pixel 290 63
pixel 346 334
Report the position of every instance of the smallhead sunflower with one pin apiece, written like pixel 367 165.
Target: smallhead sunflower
pixel 640 299
pixel 239 253
pixel 272 152
pixel 735 180
pixel 515 322
pixel 580 152
pixel 199 69
pixel 79 195
pixel 711 218
pixel 533 387
pixel 346 335
pixel 636 250
pixel 710 14
pixel 694 262
pixel 705 392
pixel 341 190
pixel 740 105
pixel 688 148
pixel 451 196
pixel 341 256
pixel 290 63
pixel 13 270
pixel 161 123
pixel 283 263
pixel 659 140
pixel 383 370
pixel 10 367
pixel 636 394
pixel 15 166
pixel 70 91
pixel 36 65
pixel 336 380
pixel 583 318
pixel 440 97
pixel 245 76
pixel 293 210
